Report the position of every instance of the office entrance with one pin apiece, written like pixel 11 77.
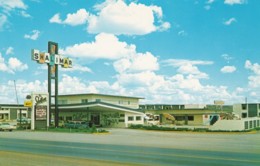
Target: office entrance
pixel 95 119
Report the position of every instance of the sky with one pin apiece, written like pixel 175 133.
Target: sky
pixel 166 51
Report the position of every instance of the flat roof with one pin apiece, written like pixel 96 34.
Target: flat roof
pixel 98 94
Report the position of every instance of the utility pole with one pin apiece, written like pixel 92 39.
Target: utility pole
pixel 20 111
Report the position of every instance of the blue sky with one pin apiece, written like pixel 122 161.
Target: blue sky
pixel 170 51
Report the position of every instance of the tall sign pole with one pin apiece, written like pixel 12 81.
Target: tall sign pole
pixel 53 49
pixel 53 60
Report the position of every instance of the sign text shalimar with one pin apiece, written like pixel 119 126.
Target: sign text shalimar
pixel 43 57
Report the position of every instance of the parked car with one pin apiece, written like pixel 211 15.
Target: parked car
pixel 6 127
pixel 76 124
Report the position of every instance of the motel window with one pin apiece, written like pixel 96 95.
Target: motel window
pixel 254 123
pixel 179 118
pixel 244 115
pixel 251 124
pixel 84 100
pixel 190 118
pixel 246 125
pixel 63 102
pixel 258 123
pixel 121 120
pixel 122 115
pixel 244 106
pixel 130 118
pixel 138 118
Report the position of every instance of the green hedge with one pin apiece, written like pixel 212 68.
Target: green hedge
pixel 70 130
pixel 159 128
pixel 154 127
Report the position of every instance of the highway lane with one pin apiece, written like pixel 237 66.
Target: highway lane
pixel 130 154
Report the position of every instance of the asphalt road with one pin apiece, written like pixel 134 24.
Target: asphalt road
pixel 131 153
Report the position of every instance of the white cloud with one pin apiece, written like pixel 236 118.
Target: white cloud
pixel 3 21
pixel 78 18
pixel 112 48
pixel 188 82
pixel 77 68
pixel 230 21
pixel 144 79
pixel 136 63
pixel 210 1
pixel 16 65
pixel 181 62
pixel 254 94
pixel 3 66
pixel 8 6
pixel 233 2
pixel 24 14
pixel 176 89
pixel 182 33
pixel 12 4
pixel 117 17
pixel 208 4
pixel 240 90
pixel 254 79
pixel 12 65
pixel 227 57
pixel 23 88
pixel 188 67
pixel 34 35
pixel 9 51
pixel 228 69
pixel 74 68
pixel 56 19
pixel 253 67
pixel 127 59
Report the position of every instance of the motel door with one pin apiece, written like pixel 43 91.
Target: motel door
pixel 95 118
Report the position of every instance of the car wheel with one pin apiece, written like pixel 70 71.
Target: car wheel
pixel 10 130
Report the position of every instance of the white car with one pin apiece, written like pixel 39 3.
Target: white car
pixel 6 126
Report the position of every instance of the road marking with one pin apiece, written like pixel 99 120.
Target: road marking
pixel 137 152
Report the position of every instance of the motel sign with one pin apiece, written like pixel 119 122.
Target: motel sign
pixel 53 60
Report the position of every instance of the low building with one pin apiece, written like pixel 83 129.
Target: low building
pixel 244 117
pixel 122 111
pixel 9 112
pixel 247 110
pixel 190 114
pixel 101 109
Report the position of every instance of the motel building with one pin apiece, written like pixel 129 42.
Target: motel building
pixel 104 110
pixel 100 109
